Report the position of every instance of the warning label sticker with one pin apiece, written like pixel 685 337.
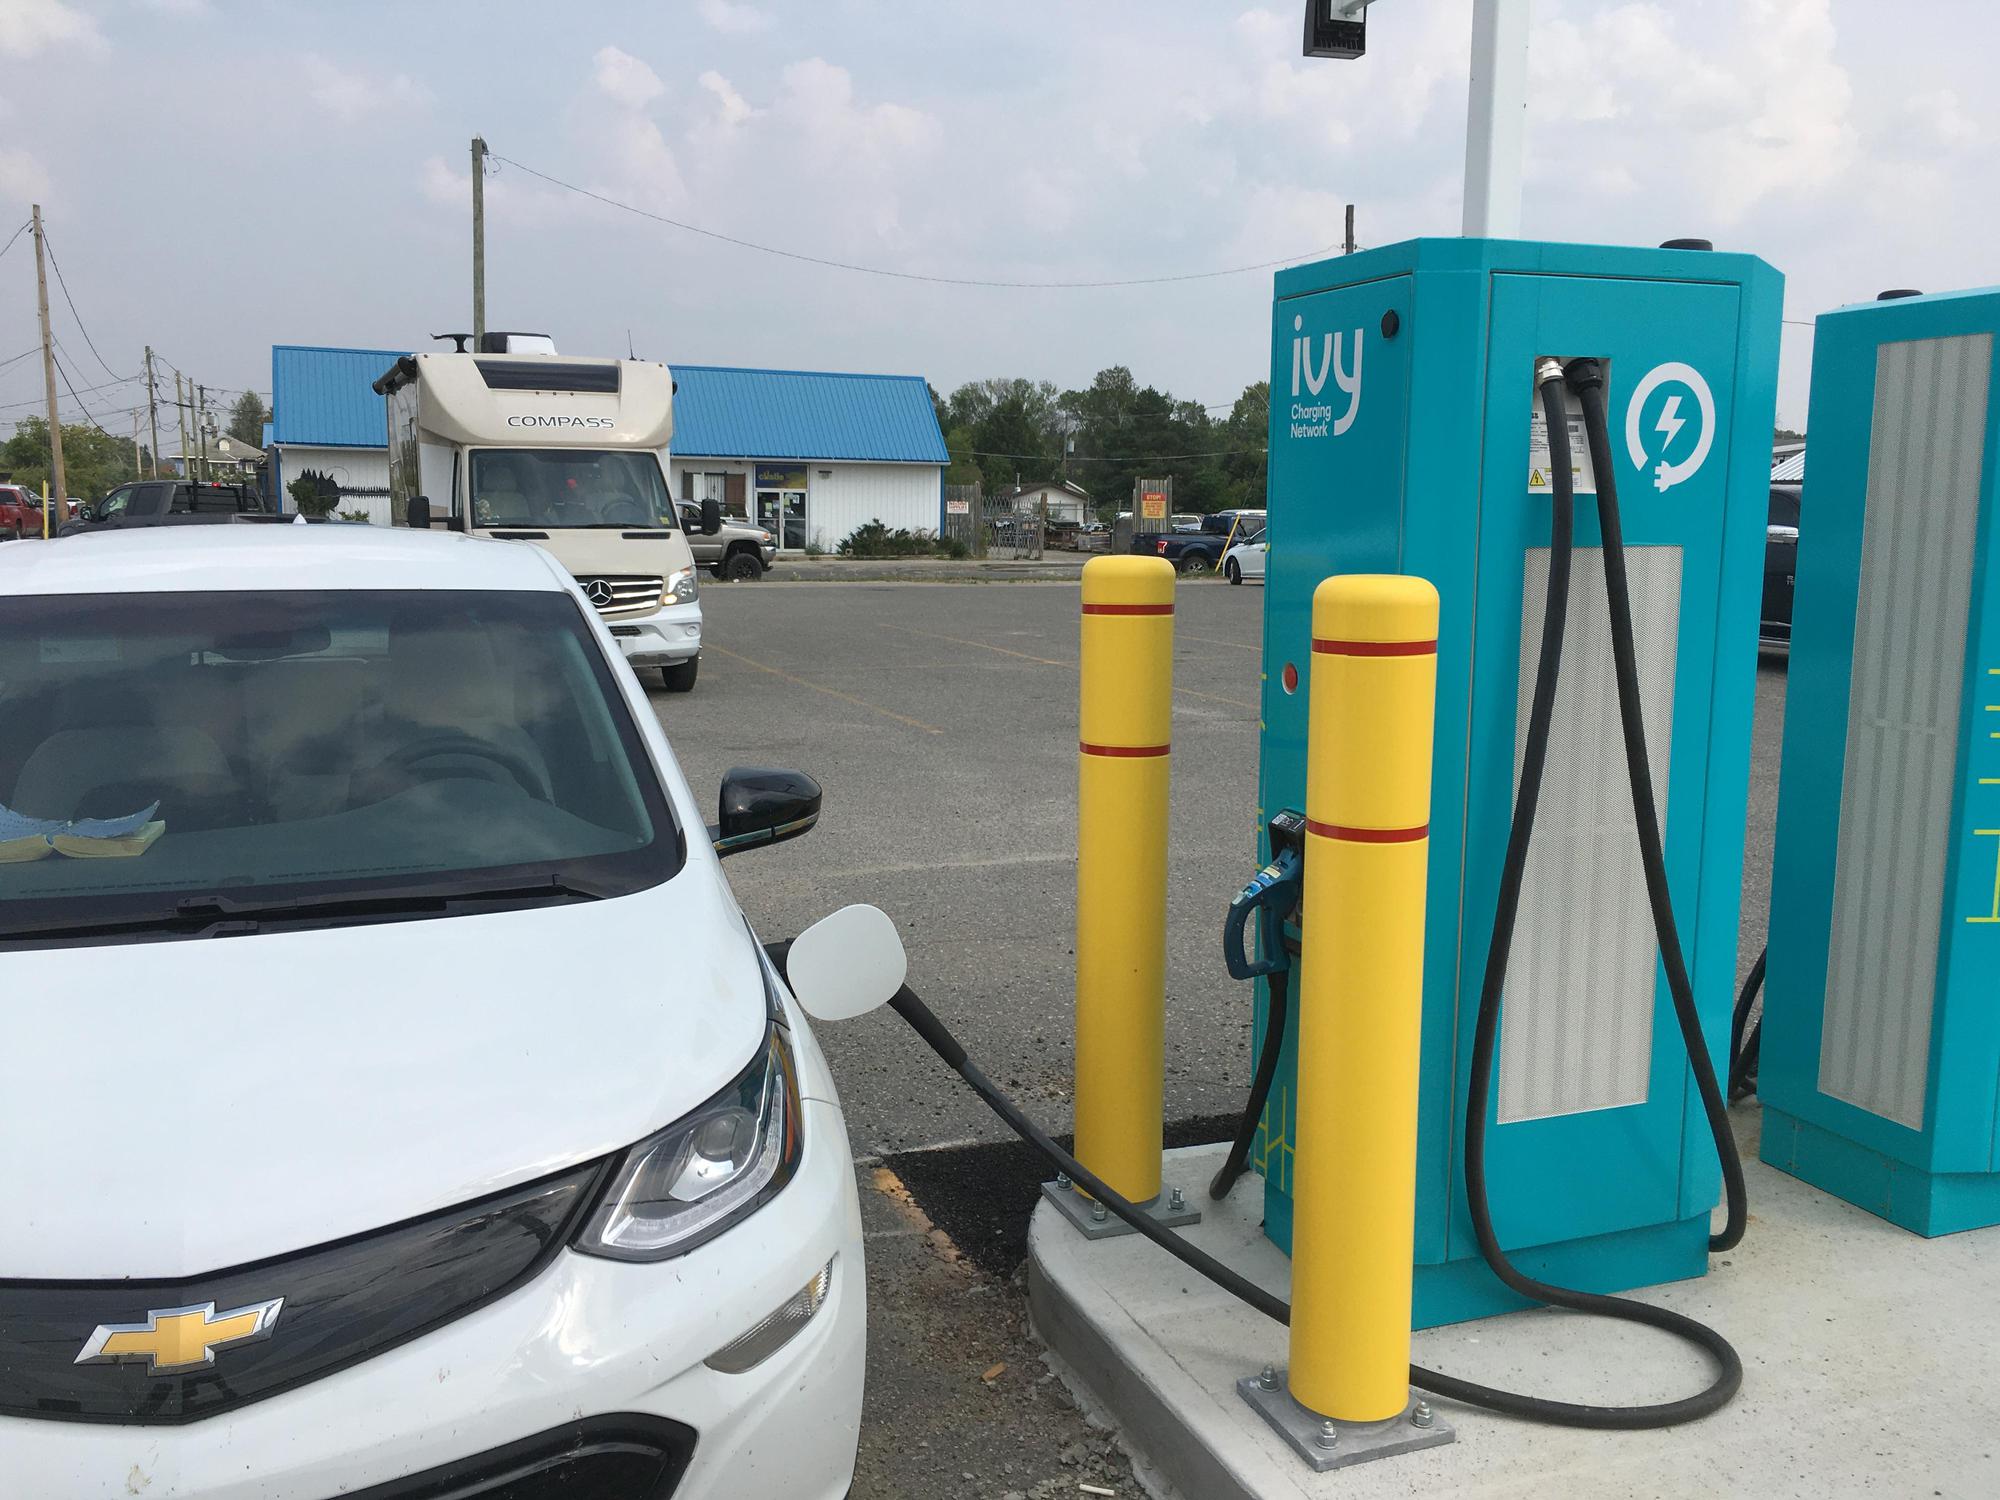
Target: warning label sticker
pixel 1582 477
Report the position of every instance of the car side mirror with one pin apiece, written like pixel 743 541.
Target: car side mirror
pixel 760 806
pixel 846 964
pixel 420 512
pixel 711 516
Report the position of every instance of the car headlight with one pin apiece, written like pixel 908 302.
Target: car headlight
pixel 702 1174
pixel 679 587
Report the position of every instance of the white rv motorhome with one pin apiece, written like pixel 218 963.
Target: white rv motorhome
pixel 569 454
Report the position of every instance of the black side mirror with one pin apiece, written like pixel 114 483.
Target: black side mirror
pixel 420 512
pixel 86 513
pixel 711 516
pixel 762 806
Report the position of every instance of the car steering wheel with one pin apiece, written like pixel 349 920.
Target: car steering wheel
pixel 624 510
pixel 452 742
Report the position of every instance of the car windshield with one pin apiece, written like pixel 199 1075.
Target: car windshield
pixel 561 488
pixel 161 753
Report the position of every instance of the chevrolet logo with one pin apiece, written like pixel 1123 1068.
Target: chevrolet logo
pixel 179 1338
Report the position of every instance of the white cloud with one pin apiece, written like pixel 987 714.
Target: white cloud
pixel 734 19
pixel 29 26
pixel 735 109
pixel 1711 107
pixel 1942 117
pixel 349 96
pixel 21 176
pixel 625 79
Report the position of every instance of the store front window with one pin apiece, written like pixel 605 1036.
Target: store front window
pixel 781 503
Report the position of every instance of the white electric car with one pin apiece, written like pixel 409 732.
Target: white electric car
pixel 396 1103
pixel 1246 558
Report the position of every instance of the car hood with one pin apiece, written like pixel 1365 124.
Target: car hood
pixel 173 1108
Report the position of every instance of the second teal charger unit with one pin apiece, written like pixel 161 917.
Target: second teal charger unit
pixel 1403 441
pixel 1880 1069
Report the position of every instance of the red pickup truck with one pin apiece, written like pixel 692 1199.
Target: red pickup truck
pixel 20 513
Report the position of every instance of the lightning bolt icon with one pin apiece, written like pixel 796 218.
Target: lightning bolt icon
pixel 1671 422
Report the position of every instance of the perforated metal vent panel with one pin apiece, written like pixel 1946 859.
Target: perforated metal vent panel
pixel 1902 721
pixel 1576 1029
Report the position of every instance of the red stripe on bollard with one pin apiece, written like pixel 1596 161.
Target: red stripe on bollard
pixel 1375 648
pixel 1123 752
pixel 1369 835
pixel 1128 609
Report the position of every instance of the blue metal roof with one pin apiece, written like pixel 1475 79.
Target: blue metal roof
pixel 721 411
pixel 322 397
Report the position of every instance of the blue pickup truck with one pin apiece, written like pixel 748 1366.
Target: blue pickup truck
pixel 1200 550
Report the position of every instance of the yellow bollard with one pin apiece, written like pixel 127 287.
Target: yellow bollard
pixel 1125 713
pixel 1368 792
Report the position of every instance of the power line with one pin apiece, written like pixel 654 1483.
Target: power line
pixel 1105 458
pixel 15 236
pixel 38 400
pixel 74 313
pixel 87 415
pixel 842 265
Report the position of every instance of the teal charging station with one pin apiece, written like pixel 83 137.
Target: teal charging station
pixel 1880 1068
pixel 1404 440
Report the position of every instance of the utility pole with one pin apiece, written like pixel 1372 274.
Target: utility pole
pixel 138 468
pixel 153 411
pixel 200 429
pixel 180 414
pixel 1349 249
pixel 478 240
pixel 49 374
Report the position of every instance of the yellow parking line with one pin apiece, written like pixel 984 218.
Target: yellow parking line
pixel 1215 640
pixel 1217 698
pixel 1047 661
pixel 982 645
pixel 830 692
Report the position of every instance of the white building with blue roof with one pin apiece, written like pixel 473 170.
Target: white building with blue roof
pixel 809 455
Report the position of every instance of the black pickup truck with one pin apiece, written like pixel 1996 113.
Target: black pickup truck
pixel 1199 551
pixel 169 502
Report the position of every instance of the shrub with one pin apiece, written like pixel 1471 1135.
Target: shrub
pixel 354 515
pixel 878 540
pixel 314 493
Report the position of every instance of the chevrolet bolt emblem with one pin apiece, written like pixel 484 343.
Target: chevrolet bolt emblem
pixel 179 1338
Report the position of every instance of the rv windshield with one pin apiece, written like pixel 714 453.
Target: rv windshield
pixel 551 488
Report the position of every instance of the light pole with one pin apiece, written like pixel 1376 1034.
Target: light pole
pixel 1496 104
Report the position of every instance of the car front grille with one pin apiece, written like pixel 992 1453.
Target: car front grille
pixel 597 1458
pixel 621 593
pixel 337 1304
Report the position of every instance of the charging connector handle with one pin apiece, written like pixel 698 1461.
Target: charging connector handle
pixel 1272 894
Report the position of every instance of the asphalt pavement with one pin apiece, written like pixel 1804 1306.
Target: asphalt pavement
pixel 941 720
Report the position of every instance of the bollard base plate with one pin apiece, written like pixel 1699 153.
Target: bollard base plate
pixel 1355 1442
pixel 1075 1207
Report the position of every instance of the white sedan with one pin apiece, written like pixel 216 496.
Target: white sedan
pixel 398 1102
pixel 1245 559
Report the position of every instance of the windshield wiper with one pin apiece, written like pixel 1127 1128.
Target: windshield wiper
pixel 225 916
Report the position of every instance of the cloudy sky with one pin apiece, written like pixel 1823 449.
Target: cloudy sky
pixel 219 176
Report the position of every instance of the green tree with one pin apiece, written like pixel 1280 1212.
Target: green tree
pixel 247 418
pixel 93 460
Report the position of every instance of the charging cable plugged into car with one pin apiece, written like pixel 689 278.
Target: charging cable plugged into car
pixel 853 961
